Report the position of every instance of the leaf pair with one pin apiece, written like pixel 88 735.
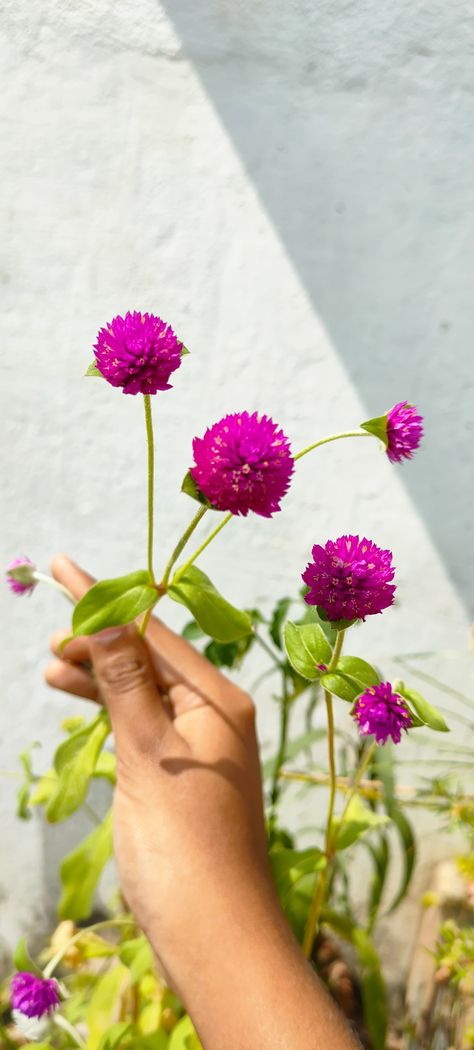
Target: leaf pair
pixel 119 601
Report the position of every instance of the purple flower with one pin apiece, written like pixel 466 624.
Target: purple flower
pixel 350 578
pixel 243 463
pixel 138 352
pixel 33 1001
pixel 20 576
pixel 382 713
pixel 404 431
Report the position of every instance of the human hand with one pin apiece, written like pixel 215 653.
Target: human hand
pixel 189 835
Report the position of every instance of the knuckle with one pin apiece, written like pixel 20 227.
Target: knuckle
pixel 247 710
pixel 125 673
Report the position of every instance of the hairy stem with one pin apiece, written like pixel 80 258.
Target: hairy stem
pixel 182 543
pixel 151 483
pixel 182 569
pixel 104 924
pixel 333 437
pixel 321 882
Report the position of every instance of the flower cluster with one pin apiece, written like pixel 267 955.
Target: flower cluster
pixel 382 713
pixel 350 578
pixel 138 352
pixel 34 1000
pixel 243 463
pixel 20 575
pixel 404 431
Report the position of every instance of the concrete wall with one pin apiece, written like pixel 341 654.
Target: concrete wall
pixel 291 185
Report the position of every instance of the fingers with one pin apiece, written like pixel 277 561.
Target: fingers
pixel 127 684
pixel 71 679
pixel 66 571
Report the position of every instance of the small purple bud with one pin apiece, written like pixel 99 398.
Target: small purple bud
pixel 20 575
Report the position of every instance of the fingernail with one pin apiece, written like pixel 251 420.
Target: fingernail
pixel 111 635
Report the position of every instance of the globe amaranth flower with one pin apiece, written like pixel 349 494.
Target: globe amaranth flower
pixel 404 431
pixel 20 575
pixel 243 463
pixel 382 713
pixel 350 578
pixel 138 352
pixel 33 1000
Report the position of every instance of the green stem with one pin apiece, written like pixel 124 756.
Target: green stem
pixel 268 650
pixel 365 763
pixel 182 543
pixel 333 437
pixel 151 479
pixel 42 577
pixel 183 568
pixel 65 1025
pixel 281 753
pixel 321 882
pixel 102 925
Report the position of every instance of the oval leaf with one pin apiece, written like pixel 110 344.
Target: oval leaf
pixel 359 670
pixel 111 603
pixel 297 653
pixel 81 870
pixel 341 685
pixel 214 614
pixel 428 714
pixel 357 819
pixel 92 370
pixel 74 764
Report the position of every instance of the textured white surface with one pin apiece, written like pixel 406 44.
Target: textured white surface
pixel 291 185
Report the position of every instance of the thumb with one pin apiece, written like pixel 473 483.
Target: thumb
pixel 128 687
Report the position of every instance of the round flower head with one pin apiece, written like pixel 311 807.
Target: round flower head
pixel 20 576
pixel 138 352
pixel 350 578
pixel 404 431
pixel 33 1001
pixel 382 713
pixel 243 463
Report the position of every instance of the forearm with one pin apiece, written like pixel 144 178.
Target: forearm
pixel 247 985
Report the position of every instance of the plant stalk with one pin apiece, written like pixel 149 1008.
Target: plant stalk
pixel 182 543
pixel 332 437
pixel 321 882
pixel 183 568
pixel 151 483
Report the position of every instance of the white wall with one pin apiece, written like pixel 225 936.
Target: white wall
pixel 291 185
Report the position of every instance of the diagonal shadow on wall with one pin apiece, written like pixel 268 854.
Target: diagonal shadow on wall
pixel 354 122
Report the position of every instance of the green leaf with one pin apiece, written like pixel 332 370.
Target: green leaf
pixel 190 488
pixel 279 614
pixel 378 427
pixel 192 632
pixel 408 852
pixel 374 994
pixel 81 869
pixel 114 1035
pixel 337 625
pixel 23 795
pixel 137 955
pixel 111 603
pixel 92 370
pixel 380 853
pixel 45 787
pixel 158 1040
pixel 289 866
pixel 303 662
pixel 341 685
pixel 359 670
pixel 104 1003
pixel 106 766
pixel 22 960
pixel 74 763
pixel 184 350
pixel 427 714
pixel 214 614
pixel 184 1036
pixel 356 821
